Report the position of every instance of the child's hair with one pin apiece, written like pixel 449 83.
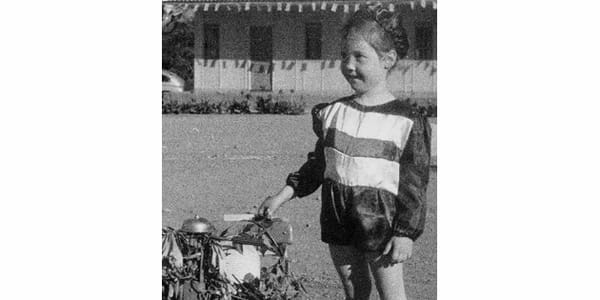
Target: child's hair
pixel 381 28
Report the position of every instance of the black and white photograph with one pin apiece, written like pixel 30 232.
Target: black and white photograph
pixel 299 149
pixel 304 150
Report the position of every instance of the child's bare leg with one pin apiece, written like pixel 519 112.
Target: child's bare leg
pixel 353 270
pixel 389 278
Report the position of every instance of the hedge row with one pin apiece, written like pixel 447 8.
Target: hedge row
pixel 248 103
pixel 258 104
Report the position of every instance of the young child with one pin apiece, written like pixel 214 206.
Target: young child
pixel 371 160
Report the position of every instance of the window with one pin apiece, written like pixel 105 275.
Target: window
pixel 313 41
pixel 424 41
pixel 165 78
pixel 211 41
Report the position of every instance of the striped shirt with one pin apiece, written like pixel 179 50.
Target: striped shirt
pixel 373 163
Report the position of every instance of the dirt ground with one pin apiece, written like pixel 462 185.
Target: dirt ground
pixel 220 164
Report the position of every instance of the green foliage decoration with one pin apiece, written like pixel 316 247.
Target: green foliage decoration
pixel 196 275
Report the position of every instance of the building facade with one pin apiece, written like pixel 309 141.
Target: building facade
pixel 295 45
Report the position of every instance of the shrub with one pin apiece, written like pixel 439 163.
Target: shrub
pixel 170 107
pixel 427 110
pixel 239 107
pixel 280 105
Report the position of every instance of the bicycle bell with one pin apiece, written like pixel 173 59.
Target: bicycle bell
pixel 197 225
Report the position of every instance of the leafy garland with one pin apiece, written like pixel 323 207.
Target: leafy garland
pixel 190 272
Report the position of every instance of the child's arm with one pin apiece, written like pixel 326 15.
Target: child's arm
pixel 310 176
pixel 271 204
pixel 307 179
pixel 414 176
pixel 298 184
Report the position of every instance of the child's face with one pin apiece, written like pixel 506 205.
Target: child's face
pixel 361 65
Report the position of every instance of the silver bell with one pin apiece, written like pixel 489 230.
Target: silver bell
pixel 197 225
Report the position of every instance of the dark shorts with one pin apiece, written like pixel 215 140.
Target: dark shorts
pixel 357 216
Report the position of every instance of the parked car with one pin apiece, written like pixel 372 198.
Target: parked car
pixel 171 82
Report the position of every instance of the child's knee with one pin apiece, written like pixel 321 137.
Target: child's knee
pixel 389 280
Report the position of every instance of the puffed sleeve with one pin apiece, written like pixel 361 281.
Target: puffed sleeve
pixel 411 208
pixel 310 176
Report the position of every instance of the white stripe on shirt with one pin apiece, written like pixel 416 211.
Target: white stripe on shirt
pixel 361 171
pixel 372 125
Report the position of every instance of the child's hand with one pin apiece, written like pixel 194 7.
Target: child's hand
pixel 267 207
pixel 272 203
pixel 399 249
